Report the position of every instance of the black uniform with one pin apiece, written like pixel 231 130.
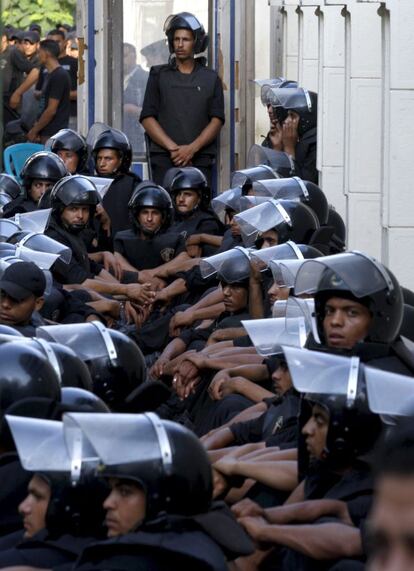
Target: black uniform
pixel 19 205
pixel 183 104
pixel 14 482
pixel 148 254
pixel 201 542
pixel 80 267
pixel 200 222
pixel 116 200
pixel 277 426
pixel 305 157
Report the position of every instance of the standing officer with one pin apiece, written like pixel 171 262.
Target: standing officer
pixel 183 109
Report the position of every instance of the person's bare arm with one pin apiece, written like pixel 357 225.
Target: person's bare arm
pixel 125 265
pixel 157 134
pixel 44 119
pixel 180 263
pixel 256 306
pixel 280 475
pixel 140 293
pixel 30 80
pixel 308 512
pixel 225 334
pixel 323 541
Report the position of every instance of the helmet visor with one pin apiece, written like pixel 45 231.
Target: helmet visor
pixel 286 251
pixel 102 184
pixel 8 228
pixel 290 98
pixel 247 202
pixel 183 19
pixel 36 221
pixel 322 373
pixel 43 243
pixel 4 199
pixel 288 188
pixel 389 393
pixel 361 275
pixel 268 335
pixel 210 266
pixel 43 260
pixel 88 340
pixel 277 160
pixel 117 438
pixel 279 308
pixel 249 175
pixel 284 272
pixel 40 444
pixel 229 199
pixel 261 218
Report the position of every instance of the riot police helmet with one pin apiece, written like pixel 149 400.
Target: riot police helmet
pixel 43 165
pixel 118 141
pixel 186 21
pixel 69 140
pixel 150 195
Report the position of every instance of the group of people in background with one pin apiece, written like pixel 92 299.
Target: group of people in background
pixel 196 381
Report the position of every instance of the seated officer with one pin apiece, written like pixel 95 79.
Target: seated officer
pixel 71 148
pixel 191 197
pixel 73 202
pixel 112 154
pixel 22 287
pixel 390 525
pixel 337 434
pixel 159 511
pixel 39 173
pixel 149 246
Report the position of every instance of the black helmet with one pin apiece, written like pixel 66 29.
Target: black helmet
pixel 291 220
pixel 70 370
pixel 76 496
pixel 117 140
pixel 81 400
pixel 115 362
pixel 149 195
pixel 74 190
pixel 43 165
pixel 154 453
pixel 69 140
pixel 337 384
pixel 235 268
pixel 300 100
pixel 186 21
pixel 25 373
pixel 338 238
pixel 9 186
pixel 75 510
pixel 355 275
pixel 189 178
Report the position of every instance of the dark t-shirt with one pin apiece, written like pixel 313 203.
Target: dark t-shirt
pixel 70 64
pixel 56 86
pixel 183 104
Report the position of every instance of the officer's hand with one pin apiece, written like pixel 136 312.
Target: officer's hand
pixel 182 156
pixel 247 507
pixel 226 465
pixel 290 133
pixel 33 136
pixel 276 136
pixel 15 100
pixel 180 320
pixel 220 484
pixel 216 385
pixel 112 265
pixel 141 293
pixel 255 527
pixel 157 370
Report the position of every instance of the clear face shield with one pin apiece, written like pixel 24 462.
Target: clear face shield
pixel 102 184
pixel 361 274
pixel 123 438
pixel 313 372
pixel 249 175
pixel 259 219
pixel 8 228
pixel 230 199
pixel 89 341
pixel 283 188
pixel 287 251
pixel 212 265
pixel 45 244
pixel 36 221
pixel 389 395
pixel 45 446
pixel 279 161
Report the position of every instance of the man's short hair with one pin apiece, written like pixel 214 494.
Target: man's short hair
pixel 51 47
pixel 57 32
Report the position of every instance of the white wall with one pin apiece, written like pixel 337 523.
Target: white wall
pixel 359 56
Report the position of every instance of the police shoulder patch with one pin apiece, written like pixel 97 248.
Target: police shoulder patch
pixel 167 254
pixel 278 424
